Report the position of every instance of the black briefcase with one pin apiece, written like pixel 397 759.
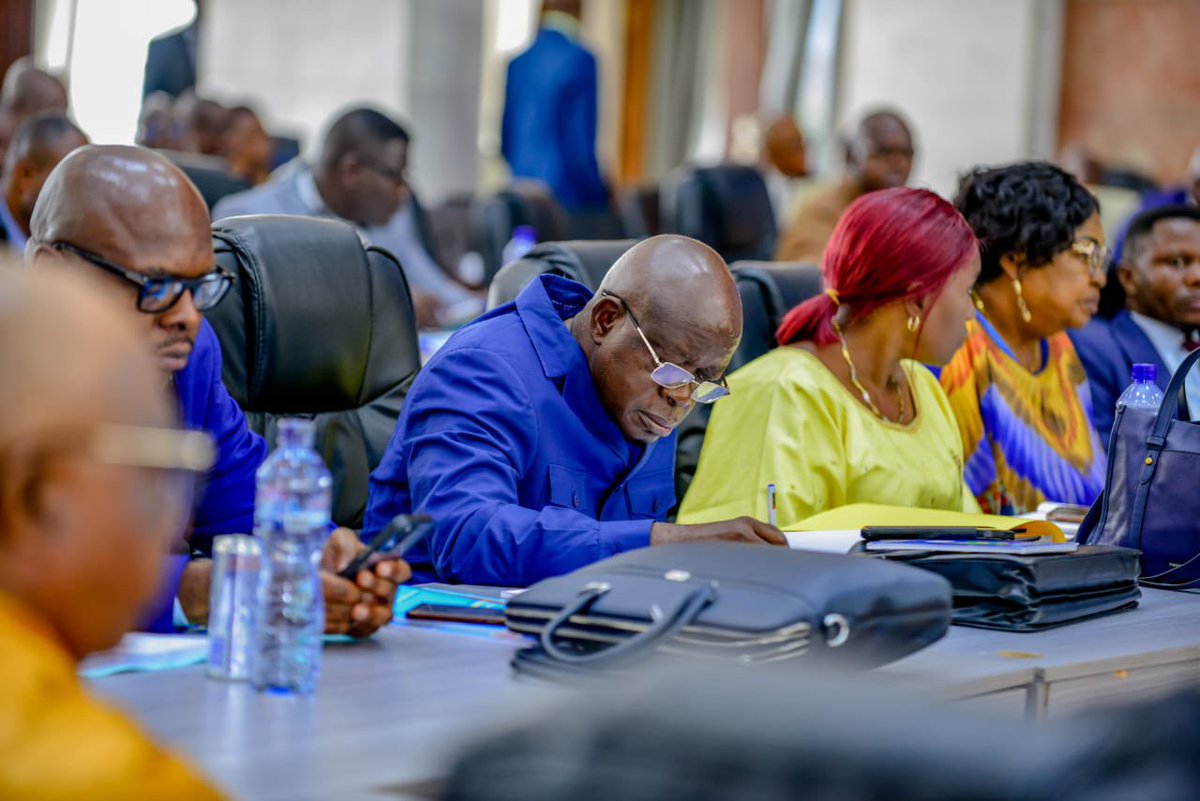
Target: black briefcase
pixel 1030 593
pixel 750 603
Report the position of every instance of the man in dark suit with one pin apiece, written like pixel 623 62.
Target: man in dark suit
pixel 549 127
pixel 171 61
pixel 1159 270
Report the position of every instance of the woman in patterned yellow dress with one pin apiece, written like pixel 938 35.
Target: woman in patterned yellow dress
pixel 1017 387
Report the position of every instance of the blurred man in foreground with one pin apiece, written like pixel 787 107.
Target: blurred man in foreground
pixel 90 495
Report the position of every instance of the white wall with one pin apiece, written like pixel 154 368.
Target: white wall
pixel 978 78
pixel 300 61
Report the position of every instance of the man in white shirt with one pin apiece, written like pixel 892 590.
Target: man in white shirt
pixel 360 177
pixel 1159 270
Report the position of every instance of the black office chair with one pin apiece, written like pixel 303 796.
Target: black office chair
pixel 586 262
pixel 768 291
pixel 639 210
pixel 493 220
pixel 210 174
pixel 726 207
pixel 317 325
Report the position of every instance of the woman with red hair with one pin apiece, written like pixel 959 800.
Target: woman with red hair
pixel 844 412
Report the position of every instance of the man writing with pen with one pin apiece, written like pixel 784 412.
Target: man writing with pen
pixel 129 219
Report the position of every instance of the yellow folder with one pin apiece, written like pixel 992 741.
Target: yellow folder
pixel 858 515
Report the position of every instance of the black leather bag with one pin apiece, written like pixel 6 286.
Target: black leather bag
pixel 751 603
pixel 1150 501
pixel 1031 593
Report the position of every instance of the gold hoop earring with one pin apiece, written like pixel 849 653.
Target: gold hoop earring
pixel 914 322
pixel 1022 306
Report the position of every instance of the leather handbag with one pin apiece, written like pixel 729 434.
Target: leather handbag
pixel 1150 500
pixel 750 603
pixel 1010 592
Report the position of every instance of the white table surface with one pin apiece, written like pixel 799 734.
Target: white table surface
pixel 391 712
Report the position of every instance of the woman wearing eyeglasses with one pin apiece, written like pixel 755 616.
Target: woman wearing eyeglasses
pixel 844 412
pixel 1017 387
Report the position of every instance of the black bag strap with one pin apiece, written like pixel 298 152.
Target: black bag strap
pixel 663 625
pixel 1155 444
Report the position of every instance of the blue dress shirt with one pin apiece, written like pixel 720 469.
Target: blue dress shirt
pixel 224 498
pixel 504 442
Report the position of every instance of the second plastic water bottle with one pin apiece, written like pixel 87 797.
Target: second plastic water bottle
pixel 1143 392
pixel 291 517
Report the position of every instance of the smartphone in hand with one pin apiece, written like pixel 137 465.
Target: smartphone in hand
pixel 396 538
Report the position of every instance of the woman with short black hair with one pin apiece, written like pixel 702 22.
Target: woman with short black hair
pixel 1016 386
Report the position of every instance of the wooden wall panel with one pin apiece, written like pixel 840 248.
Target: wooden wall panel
pixel 1131 83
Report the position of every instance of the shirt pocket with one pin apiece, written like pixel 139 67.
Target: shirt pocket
pixel 568 489
pixel 651 496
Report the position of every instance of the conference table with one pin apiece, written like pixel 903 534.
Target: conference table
pixel 393 712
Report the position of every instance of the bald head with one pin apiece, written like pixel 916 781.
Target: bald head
pixel 680 283
pixel 121 202
pixel 78 544
pixel 28 90
pixel 682 296
pixel 131 207
pixel 784 147
pixel 880 154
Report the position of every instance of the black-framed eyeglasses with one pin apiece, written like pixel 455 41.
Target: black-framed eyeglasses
pixel 1095 254
pixel 158 294
pixel 672 376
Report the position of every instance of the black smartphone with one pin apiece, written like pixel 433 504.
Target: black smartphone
pixel 396 538
pixel 875 533
pixel 484 615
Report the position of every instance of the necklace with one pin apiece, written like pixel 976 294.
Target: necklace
pixel 866 396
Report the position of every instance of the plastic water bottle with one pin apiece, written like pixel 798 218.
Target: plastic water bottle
pixel 1143 392
pixel 523 240
pixel 291 517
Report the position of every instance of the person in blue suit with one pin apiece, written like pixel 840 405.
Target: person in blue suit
pixel 550 107
pixel 540 438
pixel 171 60
pixel 1159 270
pixel 130 219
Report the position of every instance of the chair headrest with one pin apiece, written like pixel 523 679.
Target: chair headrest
pixel 316 321
pixel 585 261
pixel 727 207
pixel 787 283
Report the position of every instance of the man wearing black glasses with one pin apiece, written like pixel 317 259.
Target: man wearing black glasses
pixel 540 438
pixel 128 218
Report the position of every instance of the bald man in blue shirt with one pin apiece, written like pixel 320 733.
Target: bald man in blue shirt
pixel 540 438
pixel 131 220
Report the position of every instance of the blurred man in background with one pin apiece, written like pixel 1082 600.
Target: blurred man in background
pixel 879 156
pixel 550 108
pixel 360 176
pixel 786 165
pixel 171 60
pixel 37 147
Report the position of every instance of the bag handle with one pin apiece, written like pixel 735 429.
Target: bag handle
pixel 664 624
pixel 1155 444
